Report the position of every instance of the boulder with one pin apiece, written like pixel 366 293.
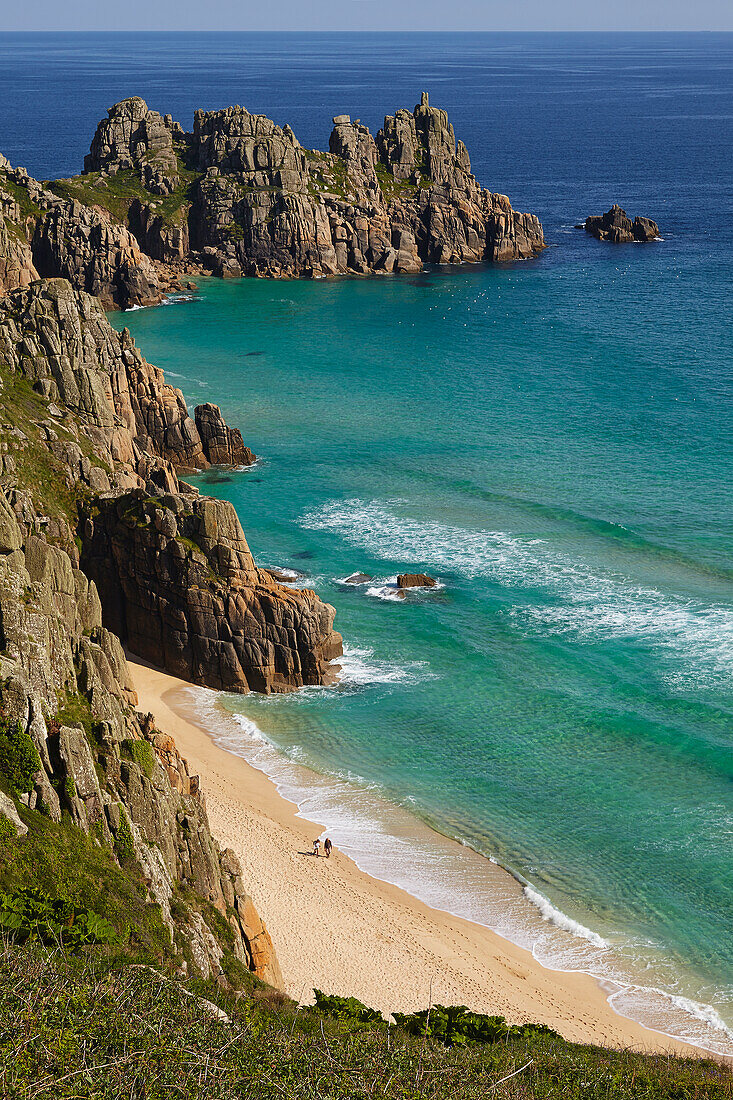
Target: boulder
pixel 415 580
pixel 8 811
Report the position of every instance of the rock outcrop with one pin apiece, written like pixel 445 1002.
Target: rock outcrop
pixel 185 594
pixel 240 196
pixel 115 775
pixel 616 226
pixel 133 137
pixel 83 245
pixel 61 341
pixel 176 578
pixel 45 234
pixel 415 580
pixel 16 260
pixel 384 205
pixel 222 445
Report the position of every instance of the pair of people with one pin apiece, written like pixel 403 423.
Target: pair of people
pixel 327 846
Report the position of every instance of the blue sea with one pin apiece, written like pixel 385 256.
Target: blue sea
pixel 552 440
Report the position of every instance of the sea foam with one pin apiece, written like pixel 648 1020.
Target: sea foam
pixel 562 920
pixel 558 593
pixel 389 843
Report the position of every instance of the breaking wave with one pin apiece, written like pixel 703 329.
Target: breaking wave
pixel 562 920
pixel 569 596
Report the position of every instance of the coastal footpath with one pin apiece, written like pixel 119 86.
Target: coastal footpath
pixel 239 195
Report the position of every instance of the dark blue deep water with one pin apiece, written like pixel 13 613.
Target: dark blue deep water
pixel 553 440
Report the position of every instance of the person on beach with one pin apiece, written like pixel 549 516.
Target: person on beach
pixel 327 846
pixel 317 847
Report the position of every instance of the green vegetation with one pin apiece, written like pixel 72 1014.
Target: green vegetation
pixel 117 193
pixel 75 710
pixel 328 174
pixel 456 1025
pixel 36 469
pixel 142 754
pixel 28 208
pixel 397 189
pixel 19 759
pixel 124 844
pixel 345 1008
pixel 71 871
pixel 28 913
pixel 74 1027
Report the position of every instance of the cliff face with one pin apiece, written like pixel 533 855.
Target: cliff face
pixel 240 195
pixel 42 233
pixel 16 260
pixel 99 542
pixel 61 341
pixel 184 592
pixel 116 777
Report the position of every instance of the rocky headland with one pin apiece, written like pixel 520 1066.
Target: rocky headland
pixel 617 227
pixel 239 195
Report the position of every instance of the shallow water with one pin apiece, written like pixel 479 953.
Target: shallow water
pixel 563 701
pixel 551 439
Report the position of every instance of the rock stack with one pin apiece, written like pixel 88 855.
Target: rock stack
pixel 616 226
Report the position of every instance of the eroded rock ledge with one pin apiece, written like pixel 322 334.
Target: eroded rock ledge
pixel 240 195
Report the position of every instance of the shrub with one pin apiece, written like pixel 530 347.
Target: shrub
pixel 75 710
pixel 141 752
pixel 124 844
pixel 236 972
pixel 30 913
pixel 19 759
pixel 456 1025
pixel 60 861
pixel 345 1008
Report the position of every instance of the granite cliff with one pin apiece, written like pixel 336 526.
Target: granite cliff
pixel 72 429
pixel 100 544
pixel 240 195
pixel 102 767
pixel 184 591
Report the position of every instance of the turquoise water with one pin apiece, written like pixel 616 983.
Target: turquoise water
pixel 563 703
pixel 552 440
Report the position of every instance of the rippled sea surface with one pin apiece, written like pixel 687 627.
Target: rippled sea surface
pixel 552 440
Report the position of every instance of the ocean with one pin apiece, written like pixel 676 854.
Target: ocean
pixel 552 440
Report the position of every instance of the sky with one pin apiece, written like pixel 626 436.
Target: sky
pixel 371 15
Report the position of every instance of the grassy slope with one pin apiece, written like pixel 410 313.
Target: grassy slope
pixel 116 194
pixel 72 1028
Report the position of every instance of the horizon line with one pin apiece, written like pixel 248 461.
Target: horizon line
pixel 353 31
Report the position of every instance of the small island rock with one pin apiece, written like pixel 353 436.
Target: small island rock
pixel 616 226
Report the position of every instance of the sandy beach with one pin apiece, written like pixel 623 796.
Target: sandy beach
pixel 338 929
